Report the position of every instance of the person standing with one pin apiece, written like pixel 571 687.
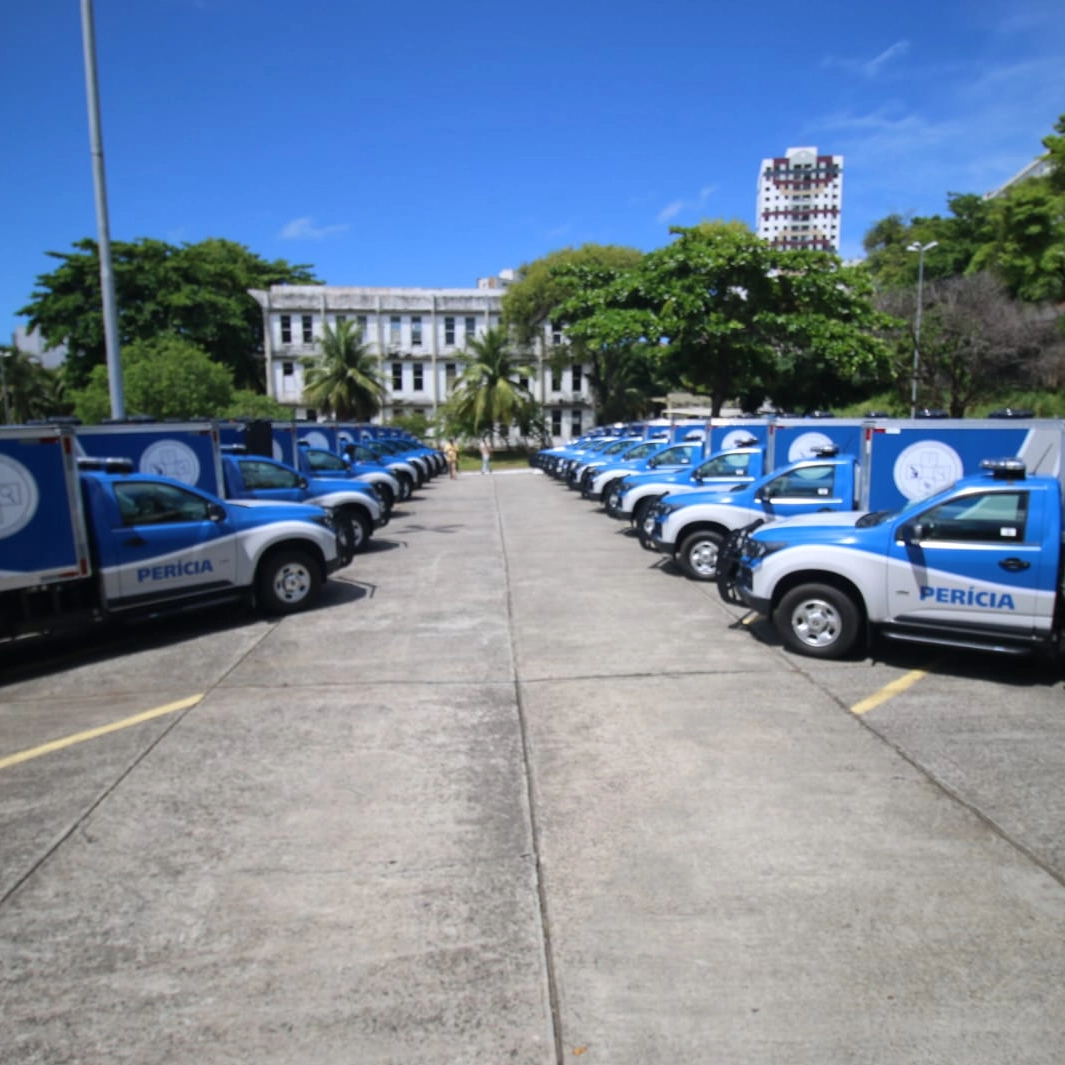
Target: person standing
pixel 486 456
pixel 451 455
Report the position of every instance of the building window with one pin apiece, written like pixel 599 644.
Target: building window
pixel 471 328
pixel 286 329
pixel 341 319
pixel 449 375
pixel 288 369
pixel 415 330
pixel 556 333
pixel 419 377
pixel 393 330
pixel 575 422
pixel 308 329
pixel 523 382
pixel 360 324
pixel 556 380
pixel 576 375
pixel 449 330
pixel 397 377
pixel 556 422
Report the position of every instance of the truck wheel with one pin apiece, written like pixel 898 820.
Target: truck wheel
pixel 388 497
pixel 612 499
pixel 698 554
pixel 360 526
pixel 288 581
pixel 609 489
pixel 406 486
pixel 818 620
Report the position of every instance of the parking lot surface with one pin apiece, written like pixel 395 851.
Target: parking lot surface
pixel 518 791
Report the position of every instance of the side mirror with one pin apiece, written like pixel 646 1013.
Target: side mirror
pixel 301 482
pixel 216 512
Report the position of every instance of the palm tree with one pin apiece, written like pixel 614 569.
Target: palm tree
pixel 487 395
pixel 29 390
pixel 343 381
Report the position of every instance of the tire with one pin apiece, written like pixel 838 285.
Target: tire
pixel 360 525
pixel 406 486
pixel 818 620
pixel 608 489
pixel 642 510
pixel 288 581
pixel 698 554
pixel 612 500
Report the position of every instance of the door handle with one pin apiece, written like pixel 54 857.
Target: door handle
pixel 134 541
pixel 1014 565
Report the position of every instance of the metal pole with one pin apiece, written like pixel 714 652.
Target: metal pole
pixel 107 281
pixel 3 386
pixel 920 249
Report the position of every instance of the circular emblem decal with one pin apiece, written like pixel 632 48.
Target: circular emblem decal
pixel 18 497
pixel 171 458
pixel 925 468
pixel 805 445
pixel 318 440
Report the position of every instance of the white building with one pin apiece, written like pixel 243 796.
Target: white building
pixel 1039 167
pixel 419 335
pixel 800 197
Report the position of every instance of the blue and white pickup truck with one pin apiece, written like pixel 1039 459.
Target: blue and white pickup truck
pixel 599 478
pixel 192 453
pixel 893 464
pixel 85 538
pixel 977 565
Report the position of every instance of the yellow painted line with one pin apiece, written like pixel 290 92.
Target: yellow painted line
pixel 93 733
pixel 889 691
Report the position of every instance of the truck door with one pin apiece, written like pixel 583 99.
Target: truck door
pixel 271 480
pixel 806 490
pixel 972 561
pixel 166 546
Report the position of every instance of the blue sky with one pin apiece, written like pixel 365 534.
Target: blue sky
pixel 431 144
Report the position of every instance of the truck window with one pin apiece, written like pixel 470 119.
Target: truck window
pixel 725 466
pixel 266 475
pixel 323 460
pixel 145 503
pixel 807 482
pixel 982 517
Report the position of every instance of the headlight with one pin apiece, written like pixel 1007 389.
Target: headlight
pixel 758 549
pixel 663 510
pixel 326 520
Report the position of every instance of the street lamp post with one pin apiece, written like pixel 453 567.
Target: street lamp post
pixel 920 248
pixel 3 386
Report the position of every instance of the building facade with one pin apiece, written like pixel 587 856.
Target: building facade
pixel 800 200
pixel 419 336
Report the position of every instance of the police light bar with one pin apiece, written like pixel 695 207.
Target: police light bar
pixel 102 465
pixel 749 441
pixel 1007 469
pixel 826 452
pixel 234 449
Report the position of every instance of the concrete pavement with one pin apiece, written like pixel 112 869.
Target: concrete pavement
pixel 515 793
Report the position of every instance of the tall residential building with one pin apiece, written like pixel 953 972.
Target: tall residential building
pixel 419 336
pixel 800 196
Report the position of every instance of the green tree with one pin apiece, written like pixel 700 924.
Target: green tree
pixel 1027 246
pixel 195 291
pixel 542 285
pixel 488 398
pixel 344 380
pixel 164 378
pixel 727 310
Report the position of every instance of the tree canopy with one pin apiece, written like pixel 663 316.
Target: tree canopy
pixel 730 315
pixel 170 377
pixel 197 292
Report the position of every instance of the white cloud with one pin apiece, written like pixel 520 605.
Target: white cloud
pixel 670 211
pixel 868 68
pixel 305 229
